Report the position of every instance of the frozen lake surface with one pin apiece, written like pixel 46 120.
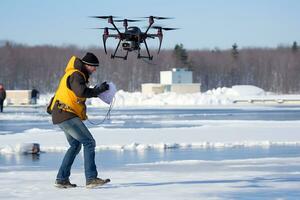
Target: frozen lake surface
pixel 108 159
pixel 15 120
pixel 154 153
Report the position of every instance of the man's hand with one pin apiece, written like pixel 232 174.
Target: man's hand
pixel 102 88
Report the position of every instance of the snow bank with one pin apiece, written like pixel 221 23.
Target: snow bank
pixel 247 90
pixel 218 96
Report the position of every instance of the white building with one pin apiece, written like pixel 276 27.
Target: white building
pixel 176 76
pixel 179 80
pixel 18 97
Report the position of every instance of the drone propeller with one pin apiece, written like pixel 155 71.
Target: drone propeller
pixel 128 20
pixel 163 28
pixel 125 22
pixel 157 17
pixel 105 28
pixel 104 17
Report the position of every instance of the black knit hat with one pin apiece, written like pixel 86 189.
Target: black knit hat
pixel 90 59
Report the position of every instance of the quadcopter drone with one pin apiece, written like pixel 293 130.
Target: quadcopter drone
pixel 132 38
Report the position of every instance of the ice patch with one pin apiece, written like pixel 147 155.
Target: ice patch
pixel 38 130
pixel 20 148
pixel 276 161
pixel 19 116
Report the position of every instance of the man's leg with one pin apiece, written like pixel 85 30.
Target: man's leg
pixel 1 105
pixel 77 130
pixel 33 100
pixel 75 146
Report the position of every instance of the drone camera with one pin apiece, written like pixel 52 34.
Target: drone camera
pixel 130 45
pixel 125 44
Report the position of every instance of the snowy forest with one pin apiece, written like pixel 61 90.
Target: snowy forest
pixel 273 69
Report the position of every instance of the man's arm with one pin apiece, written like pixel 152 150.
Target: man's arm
pixel 77 84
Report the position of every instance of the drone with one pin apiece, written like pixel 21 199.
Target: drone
pixel 132 37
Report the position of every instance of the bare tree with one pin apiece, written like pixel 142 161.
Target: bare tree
pixel 273 69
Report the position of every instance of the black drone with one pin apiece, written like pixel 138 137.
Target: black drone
pixel 132 38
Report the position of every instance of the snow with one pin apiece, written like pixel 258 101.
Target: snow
pixel 238 179
pixel 248 90
pixel 269 177
pixel 218 96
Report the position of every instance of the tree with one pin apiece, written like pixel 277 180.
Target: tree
pixel 234 51
pixel 180 54
pixel 273 69
pixel 295 47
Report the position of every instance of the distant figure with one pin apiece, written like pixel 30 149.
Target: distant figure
pixel 34 95
pixel 2 97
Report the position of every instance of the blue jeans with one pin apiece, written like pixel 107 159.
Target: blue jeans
pixel 77 134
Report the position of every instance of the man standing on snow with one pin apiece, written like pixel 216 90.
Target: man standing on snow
pixel 68 110
pixel 34 95
pixel 2 96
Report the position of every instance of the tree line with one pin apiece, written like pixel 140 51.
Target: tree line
pixel 41 67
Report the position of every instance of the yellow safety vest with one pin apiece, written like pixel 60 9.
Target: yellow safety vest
pixel 67 99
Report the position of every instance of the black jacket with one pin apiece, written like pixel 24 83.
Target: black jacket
pixel 2 94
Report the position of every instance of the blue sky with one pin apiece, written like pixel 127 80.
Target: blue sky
pixel 203 23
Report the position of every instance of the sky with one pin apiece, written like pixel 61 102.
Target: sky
pixel 204 24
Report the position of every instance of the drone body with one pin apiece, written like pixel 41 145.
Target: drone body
pixel 132 37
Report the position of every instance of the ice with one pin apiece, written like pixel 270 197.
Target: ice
pixel 265 178
pixel 194 179
pixel 153 123
pixel 211 134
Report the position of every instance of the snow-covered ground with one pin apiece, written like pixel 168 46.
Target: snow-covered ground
pixel 215 128
pixel 228 179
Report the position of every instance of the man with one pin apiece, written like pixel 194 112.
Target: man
pixel 2 96
pixel 34 95
pixel 68 110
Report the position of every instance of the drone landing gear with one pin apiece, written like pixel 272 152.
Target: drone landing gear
pixel 124 57
pixel 149 57
pixel 148 53
pixel 115 56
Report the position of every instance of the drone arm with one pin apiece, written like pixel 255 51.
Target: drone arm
pixel 112 23
pixel 148 28
pixel 160 37
pixel 104 37
pixel 152 36
pixel 114 55
pixel 116 36
pixel 147 49
pixel 151 21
